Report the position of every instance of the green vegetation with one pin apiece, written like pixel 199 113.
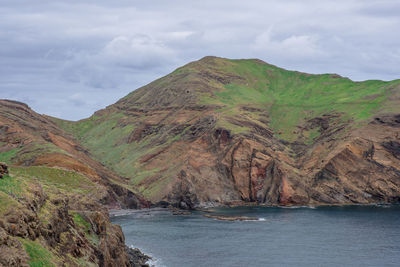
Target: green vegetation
pixel 39 255
pixel 311 135
pixel 68 181
pixel 29 152
pixel 109 141
pixel 6 202
pixel 9 155
pixel 78 219
pixel 140 176
pixel 77 129
pixel 86 228
pixel 33 150
pixel 153 189
pixel 290 97
pixel 106 137
pixel 10 186
pixel 54 182
pixel 10 189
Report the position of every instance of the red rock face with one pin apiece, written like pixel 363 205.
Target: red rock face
pixel 361 168
pixel 212 165
pixel 356 174
pixel 240 169
pixel 235 169
pixel 259 175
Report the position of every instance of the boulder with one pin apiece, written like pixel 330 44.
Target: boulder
pixel 3 169
pixel 137 258
pixel 231 218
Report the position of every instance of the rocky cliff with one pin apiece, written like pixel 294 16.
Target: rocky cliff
pixel 220 131
pixel 54 197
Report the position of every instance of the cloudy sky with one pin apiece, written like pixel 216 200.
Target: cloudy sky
pixel 69 58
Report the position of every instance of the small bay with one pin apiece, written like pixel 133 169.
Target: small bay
pixel 299 236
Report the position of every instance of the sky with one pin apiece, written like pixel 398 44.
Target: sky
pixel 69 58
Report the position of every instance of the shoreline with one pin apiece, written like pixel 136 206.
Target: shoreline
pixel 210 209
pixel 311 205
pixel 151 260
pixel 124 212
pixel 113 213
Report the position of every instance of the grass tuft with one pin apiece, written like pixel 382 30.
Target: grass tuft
pixel 39 255
pixel 8 155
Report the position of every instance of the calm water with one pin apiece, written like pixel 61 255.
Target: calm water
pixel 325 236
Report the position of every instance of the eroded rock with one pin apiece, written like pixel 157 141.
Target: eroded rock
pixel 137 258
pixel 3 169
pixel 231 218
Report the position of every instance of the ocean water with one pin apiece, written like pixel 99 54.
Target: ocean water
pixel 322 236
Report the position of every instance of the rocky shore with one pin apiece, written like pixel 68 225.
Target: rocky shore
pixel 137 258
pixel 231 218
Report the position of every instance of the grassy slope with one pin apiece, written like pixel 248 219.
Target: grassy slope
pixel 286 99
pixel 103 135
pixel 28 152
pixel 291 97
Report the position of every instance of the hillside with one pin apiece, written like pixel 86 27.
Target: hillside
pixel 53 201
pixel 219 131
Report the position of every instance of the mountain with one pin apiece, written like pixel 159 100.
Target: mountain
pixel 54 197
pixel 220 131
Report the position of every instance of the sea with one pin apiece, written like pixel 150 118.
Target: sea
pixel 295 236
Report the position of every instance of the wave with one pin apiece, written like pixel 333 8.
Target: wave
pixel 298 207
pixel 153 262
pixel 259 220
pixel 383 205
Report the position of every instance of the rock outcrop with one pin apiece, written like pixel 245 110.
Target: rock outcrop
pixel 231 218
pixel 64 235
pixel 137 258
pixel 3 169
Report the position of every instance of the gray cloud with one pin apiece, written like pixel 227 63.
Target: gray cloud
pixel 70 58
